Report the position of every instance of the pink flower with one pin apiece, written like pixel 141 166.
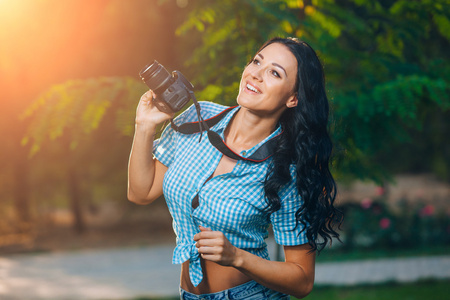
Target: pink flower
pixel 366 203
pixel 427 210
pixel 385 223
pixel 379 191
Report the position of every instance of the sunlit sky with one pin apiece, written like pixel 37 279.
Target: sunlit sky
pixel 36 39
pixel 44 42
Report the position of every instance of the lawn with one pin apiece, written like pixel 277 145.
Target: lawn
pixel 432 289
pixel 330 255
pixel 435 290
pixel 427 289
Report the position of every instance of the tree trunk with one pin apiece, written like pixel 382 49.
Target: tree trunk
pixel 21 188
pixel 75 196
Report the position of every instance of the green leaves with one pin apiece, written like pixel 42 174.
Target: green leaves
pixel 386 63
pixel 77 107
pixel 199 21
pixel 229 33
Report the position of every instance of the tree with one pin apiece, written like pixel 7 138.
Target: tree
pixel 47 43
pixel 60 116
pixel 386 64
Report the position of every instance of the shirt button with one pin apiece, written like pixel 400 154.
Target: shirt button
pixel 244 152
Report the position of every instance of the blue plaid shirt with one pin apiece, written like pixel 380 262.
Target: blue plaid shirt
pixel 233 203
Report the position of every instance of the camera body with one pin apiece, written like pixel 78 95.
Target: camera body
pixel 173 92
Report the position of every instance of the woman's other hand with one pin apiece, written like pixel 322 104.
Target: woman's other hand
pixel 148 114
pixel 214 246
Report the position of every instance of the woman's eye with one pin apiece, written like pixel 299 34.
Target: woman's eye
pixel 275 73
pixel 256 61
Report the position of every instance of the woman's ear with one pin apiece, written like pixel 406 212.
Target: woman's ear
pixel 292 101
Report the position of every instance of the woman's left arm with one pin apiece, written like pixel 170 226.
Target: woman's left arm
pixel 294 276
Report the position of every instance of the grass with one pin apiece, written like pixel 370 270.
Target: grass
pixel 435 290
pixel 329 255
pixel 431 289
pixel 427 289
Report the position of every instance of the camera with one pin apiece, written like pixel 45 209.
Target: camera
pixel 173 91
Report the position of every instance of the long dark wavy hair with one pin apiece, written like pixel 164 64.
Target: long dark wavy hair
pixel 305 142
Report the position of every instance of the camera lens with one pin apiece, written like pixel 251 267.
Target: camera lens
pixel 156 77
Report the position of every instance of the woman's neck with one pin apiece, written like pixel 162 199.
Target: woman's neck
pixel 246 130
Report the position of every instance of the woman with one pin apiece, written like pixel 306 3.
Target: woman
pixel 222 206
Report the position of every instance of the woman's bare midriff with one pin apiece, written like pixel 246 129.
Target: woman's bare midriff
pixel 216 278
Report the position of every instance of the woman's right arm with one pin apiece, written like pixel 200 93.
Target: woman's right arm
pixel 145 173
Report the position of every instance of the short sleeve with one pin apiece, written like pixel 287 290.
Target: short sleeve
pixel 287 230
pixel 164 148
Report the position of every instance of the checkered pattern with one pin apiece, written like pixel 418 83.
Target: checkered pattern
pixel 233 203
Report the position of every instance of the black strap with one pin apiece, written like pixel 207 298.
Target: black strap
pixel 193 127
pixel 264 152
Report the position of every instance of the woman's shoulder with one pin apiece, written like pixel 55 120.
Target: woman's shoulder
pixel 207 110
pixel 211 107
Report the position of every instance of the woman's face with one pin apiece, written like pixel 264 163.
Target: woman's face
pixel 267 83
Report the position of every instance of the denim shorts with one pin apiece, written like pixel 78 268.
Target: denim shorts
pixel 249 291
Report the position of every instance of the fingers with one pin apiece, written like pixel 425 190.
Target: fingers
pixel 208 235
pixel 214 246
pixel 212 253
pixel 148 113
pixel 204 228
pixel 210 242
pixel 148 97
pixel 210 250
pixel 219 254
pixel 210 239
pixel 211 257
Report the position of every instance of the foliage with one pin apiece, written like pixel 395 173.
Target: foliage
pixel 224 36
pixel 389 291
pixel 82 130
pixel 374 225
pixel 386 64
pixel 78 107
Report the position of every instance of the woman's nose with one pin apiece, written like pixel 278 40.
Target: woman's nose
pixel 257 73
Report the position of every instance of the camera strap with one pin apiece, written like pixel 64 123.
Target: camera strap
pixel 264 152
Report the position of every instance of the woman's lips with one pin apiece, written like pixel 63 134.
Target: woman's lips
pixel 251 88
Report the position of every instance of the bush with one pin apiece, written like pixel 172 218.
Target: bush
pixel 373 224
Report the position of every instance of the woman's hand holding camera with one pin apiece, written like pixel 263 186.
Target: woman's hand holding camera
pixel 147 114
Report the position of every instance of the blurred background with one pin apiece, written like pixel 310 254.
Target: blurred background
pixel 69 90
